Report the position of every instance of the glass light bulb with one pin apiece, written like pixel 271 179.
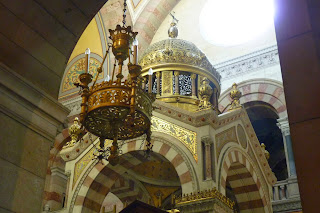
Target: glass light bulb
pixel 150 72
pixel 107 78
pixel 135 42
pixel 87 52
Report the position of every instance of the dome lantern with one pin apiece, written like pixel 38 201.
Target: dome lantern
pixel 179 68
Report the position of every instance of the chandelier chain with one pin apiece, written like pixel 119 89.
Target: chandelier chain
pixel 124 12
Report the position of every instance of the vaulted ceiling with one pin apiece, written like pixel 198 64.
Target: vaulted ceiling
pixel 38 36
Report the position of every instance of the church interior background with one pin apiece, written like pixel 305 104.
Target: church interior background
pixel 221 138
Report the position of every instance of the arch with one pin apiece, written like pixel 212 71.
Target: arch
pixel 123 186
pixel 237 169
pixel 93 187
pixel 52 194
pixel 265 90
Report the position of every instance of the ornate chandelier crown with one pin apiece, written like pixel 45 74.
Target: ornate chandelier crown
pixel 117 109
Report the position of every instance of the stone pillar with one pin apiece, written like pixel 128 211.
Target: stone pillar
pixel 297 30
pixel 176 82
pixel 158 75
pixel 58 186
pixel 276 193
pixel 208 158
pixel 30 122
pixel 193 85
pixel 283 124
pixel 215 98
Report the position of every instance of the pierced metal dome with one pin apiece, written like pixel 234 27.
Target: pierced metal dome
pixel 181 55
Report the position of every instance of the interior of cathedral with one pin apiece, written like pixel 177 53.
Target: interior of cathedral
pixel 114 106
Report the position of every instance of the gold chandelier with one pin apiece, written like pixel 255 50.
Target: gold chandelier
pixel 117 109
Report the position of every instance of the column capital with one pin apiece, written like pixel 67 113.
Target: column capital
pixel 283 125
pixel 193 76
pixel 207 140
pixel 176 73
pixel 57 171
pixel 158 74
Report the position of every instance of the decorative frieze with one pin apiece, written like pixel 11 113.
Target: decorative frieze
pixel 187 137
pixel 248 63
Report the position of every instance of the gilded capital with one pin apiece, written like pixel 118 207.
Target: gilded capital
pixel 176 73
pixel 206 140
pixel 193 76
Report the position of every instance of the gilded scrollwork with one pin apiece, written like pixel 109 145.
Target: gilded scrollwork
pixel 187 137
pixel 76 69
pixel 81 165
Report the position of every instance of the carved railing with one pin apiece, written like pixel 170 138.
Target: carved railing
pixel 286 196
pixel 280 190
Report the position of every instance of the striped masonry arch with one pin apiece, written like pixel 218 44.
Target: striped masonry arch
pixel 150 20
pixel 101 178
pixel 237 169
pixel 128 191
pixel 265 90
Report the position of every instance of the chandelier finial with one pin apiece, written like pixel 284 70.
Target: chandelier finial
pixel 173 30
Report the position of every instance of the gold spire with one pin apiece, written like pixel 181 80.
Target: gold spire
pixel 235 95
pixel 74 131
pixel 266 153
pixel 205 92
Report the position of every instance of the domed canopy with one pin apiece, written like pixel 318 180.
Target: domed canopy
pixel 180 55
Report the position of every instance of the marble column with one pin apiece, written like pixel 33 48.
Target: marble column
pixel 158 75
pixel 176 82
pixel 283 124
pixel 193 85
pixel 208 158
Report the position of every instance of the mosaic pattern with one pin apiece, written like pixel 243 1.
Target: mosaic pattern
pixel 84 161
pixel 81 165
pixel 187 137
pixel 76 69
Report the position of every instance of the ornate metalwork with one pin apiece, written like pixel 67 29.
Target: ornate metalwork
pixel 185 84
pixel 181 51
pixel 177 60
pixel 235 95
pixel 117 109
pixel 205 92
pixel 204 195
pixel 187 137
pixel 74 131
